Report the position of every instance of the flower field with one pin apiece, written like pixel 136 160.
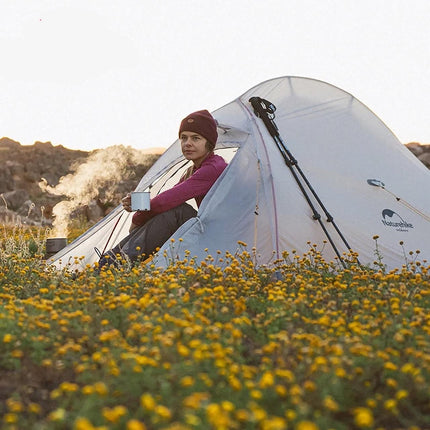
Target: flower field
pixel 297 346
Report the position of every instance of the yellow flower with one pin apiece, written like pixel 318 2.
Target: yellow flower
pixel 284 373
pixel 7 338
pixel 256 394
pixel 114 371
pixel 227 406
pixel 100 388
pixel 69 387
pixel 401 394
pixel 163 412
pixel 390 366
pixel 409 368
pixel 217 416
pixel 363 417
pixel 281 390
pixel 147 402
pixel 14 405
pixel 183 350
pixel 320 361
pixel 57 415
pixel 213 410
pixel 97 356
pixel 340 372
pixel 295 390
pixel 290 414
pixel 194 400
pixel 34 408
pixel 55 393
pixel 114 414
pixel 192 420
pixel 267 380
pixel 390 404
pixel 242 415
pixel 17 353
pixel 391 382
pixel 235 383
pixel 371 403
pixel 309 386
pixel 274 423
pixel 187 381
pixel 47 362
pixel 331 404
pixel 306 425
pixel 82 423
pixel 10 418
pixel 259 413
pixel 87 389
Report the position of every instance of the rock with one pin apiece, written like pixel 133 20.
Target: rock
pixel 415 148
pixel 12 218
pixel 7 143
pixel 6 180
pixel 7 216
pixel 43 146
pixel 94 211
pixel 28 208
pixel 425 158
pixel 15 199
pixel 422 152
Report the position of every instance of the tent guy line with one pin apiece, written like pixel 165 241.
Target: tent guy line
pixel 380 184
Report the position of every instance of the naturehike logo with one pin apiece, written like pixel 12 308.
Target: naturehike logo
pixel 393 219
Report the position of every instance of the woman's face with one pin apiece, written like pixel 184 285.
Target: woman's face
pixel 193 147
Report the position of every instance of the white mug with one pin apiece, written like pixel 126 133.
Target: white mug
pixel 140 201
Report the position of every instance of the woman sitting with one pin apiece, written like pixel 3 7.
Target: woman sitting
pixel 151 229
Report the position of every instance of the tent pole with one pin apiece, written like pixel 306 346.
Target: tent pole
pixel 111 233
pixel 266 111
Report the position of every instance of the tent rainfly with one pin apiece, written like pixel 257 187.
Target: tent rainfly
pixel 328 172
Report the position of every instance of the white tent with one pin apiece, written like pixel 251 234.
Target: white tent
pixel 366 179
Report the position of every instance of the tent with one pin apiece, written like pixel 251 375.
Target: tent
pixel 367 181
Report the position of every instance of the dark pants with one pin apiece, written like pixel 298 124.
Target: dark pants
pixel 144 240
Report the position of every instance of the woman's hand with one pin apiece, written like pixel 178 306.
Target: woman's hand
pixel 126 202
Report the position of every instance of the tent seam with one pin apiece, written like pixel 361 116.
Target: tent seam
pixel 271 175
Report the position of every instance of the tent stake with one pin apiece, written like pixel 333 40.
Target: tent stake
pixel 266 111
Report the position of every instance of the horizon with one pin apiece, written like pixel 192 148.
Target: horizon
pixel 150 150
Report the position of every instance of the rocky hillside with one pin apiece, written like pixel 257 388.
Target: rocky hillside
pixel 420 151
pixel 34 178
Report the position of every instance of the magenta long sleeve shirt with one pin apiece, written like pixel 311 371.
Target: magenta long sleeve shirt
pixel 196 186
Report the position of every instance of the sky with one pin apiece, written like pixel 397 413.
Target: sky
pixel 89 74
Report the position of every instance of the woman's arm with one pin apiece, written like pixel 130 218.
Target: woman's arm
pixel 196 185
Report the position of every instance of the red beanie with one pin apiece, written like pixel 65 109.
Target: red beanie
pixel 201 122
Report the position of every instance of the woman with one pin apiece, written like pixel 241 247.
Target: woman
pixel 169 210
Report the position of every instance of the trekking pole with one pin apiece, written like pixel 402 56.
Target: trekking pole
pixel 266 111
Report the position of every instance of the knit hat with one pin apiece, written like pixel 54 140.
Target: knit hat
pixel 201 122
